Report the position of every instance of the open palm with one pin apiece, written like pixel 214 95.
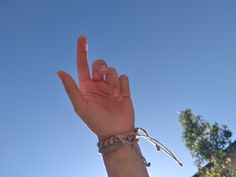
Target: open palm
pixel 103 102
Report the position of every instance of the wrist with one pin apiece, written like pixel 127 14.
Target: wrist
pixel 122 153
pixel 117 141
pixel 125 161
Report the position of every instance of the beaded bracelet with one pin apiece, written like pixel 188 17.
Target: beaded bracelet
pixel 132 138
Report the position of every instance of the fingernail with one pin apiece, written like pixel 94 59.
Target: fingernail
pixel 103 68
pixel 82 42
pixel 82 39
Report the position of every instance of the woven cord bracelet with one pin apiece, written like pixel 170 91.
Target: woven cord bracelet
pixel 132 138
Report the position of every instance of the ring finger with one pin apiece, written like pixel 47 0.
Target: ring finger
pixel 112 79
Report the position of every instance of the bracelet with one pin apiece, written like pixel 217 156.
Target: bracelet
pixel 116 142
pixel 132 138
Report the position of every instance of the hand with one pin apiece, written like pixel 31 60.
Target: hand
pixel 103 102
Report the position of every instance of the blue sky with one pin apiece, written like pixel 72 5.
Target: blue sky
pixel 177 54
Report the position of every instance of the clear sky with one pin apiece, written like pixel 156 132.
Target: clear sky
pixel 177 54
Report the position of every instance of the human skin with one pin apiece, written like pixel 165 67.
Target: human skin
pixel 103 102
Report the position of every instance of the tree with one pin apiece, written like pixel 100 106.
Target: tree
pixel 207 143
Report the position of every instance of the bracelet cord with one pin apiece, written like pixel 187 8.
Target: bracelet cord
pixel 132 138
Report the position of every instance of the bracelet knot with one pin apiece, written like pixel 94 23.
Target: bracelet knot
pixel 131 138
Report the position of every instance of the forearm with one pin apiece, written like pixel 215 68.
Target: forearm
pixel 125 162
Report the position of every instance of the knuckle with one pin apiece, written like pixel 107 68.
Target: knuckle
pixel 82 63
pixel 112 70
pixel 99 62
pixel 123 76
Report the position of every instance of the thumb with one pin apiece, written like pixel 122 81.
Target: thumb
pixel 76 97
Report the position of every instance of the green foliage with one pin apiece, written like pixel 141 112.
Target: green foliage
pixel 206 143
pixel 215 171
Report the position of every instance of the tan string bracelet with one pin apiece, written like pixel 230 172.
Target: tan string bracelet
pixel 132 138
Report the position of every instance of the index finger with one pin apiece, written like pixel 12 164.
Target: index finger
pixel 82 59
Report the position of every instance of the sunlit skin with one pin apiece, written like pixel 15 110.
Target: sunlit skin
pixel 102 101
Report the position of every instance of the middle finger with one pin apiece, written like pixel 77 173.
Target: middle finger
pixel 99 69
